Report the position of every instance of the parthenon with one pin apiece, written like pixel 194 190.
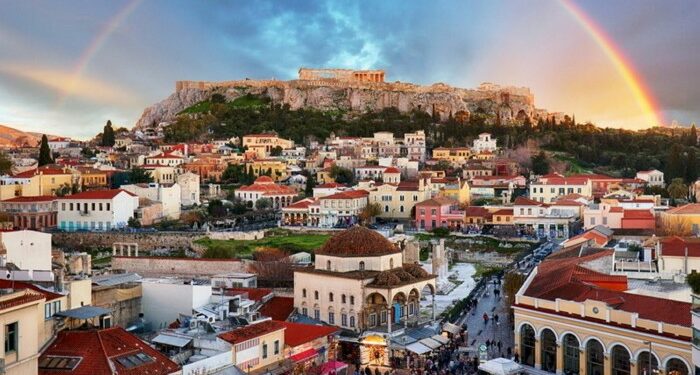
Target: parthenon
pixel 347 75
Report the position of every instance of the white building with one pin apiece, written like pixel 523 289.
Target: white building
pixel 652 177
pixel 189 189
pixel 27 249
pixel 59 143
pixel 163 300
pixel 484 143
pixel 96 210
pixel 168 195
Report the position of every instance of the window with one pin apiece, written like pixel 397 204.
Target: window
pixel 344 320
pixel 264 351
pixel 328 265
pixel 592 221
pixel 330 297
pixel 317 314
pixel 331 318
pixel 352 321
pixel 304 311
pixel 372 319
pixel 315 294
pixel 362 266
pixel 109 208
pixel 11 337
pixel 54 362
pixel 277 346
pixel 352 300
pixel 342 298
pixel 134 360
pixel 605 220
pixel 303 292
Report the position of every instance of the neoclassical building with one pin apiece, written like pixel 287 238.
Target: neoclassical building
pixel 573 318
pixel 359 282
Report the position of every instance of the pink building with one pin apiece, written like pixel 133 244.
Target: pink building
pixel 614 216
pixel 439 212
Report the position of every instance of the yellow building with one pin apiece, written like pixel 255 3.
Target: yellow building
pixel 681 221
pixel 21 314
pixel 92 178
pixel 323 176
pixel 36 182
pixel 277 169
pixel 456 155
pixel 398 200
pixel 263 144
pixel 572 318
pixel 256 346
pixel 458 190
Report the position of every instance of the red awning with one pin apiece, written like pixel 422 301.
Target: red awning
pixel 305 355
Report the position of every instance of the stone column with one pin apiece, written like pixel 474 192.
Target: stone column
pixel 128 250
pixel 388 319
pixel 538 353
pixel 607 364
pixel 114 250
pixel 582 360
pixel 433 294
pixel 136 249
pixel 633 366
pixel 560 358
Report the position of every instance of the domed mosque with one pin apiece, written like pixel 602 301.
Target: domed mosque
pixel 360 283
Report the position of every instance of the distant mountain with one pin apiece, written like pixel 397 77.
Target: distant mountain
pixel 13 137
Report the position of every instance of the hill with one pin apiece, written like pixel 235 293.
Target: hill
pixel 13 137
pixel 326 90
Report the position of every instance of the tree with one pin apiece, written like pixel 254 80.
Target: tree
pixel 342 175
pixel 310 185
pixel 216 208
pixel 691 166
pixel 44 151
pixel 5 164
pixel 693 136
pixel 693 280
pixel 134 223
pixel 673 225
pixel 108 135
pixel 272 265
pixel 677 189
pixel 276 151
pixel 674 163
pixel 540 164
pixel 218 98
pixel 87 152
pixel 511 284
pixel 139 176
pixel 443 165
pixel 369 212
pixel 263 203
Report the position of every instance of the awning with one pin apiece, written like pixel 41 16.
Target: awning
pixel 175 341
pixel 432 344
pixel 332 367
pixel 304 356
pixel 441 339
pixel 84 312
pixel 451 328
pixel 418 348
pixel 500 366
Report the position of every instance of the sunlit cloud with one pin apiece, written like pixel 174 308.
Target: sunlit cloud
pixel 82 87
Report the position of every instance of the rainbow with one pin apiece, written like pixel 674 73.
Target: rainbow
pixel 94 47
pixel 642 94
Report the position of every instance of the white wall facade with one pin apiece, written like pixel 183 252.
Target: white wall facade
pixel 28 249
pixel 100 214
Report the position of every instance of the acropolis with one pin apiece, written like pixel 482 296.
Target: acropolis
pixel 347 75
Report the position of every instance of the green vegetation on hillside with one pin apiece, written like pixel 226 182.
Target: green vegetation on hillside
pixel 292 243
pixel 583 147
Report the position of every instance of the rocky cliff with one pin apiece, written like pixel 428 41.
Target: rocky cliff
pixel 510 104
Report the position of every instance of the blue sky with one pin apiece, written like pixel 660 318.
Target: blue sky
pixel 463 43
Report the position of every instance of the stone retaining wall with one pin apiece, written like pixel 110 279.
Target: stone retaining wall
pixel 164 266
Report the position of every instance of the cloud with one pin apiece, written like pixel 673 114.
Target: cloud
pixel 65 84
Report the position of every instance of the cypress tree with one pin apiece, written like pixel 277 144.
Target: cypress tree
pixel 45 152
pixel 108 135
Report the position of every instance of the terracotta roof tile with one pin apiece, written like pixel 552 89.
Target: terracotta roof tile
pixel 252 331
pixel 278 308
pixel 298 334
pixel 97 194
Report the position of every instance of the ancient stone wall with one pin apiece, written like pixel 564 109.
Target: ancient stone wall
pixel 168 266
pixel 145 241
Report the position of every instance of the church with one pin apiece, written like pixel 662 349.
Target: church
pixel 360 283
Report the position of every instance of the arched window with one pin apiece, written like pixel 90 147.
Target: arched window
pixel 352 300
pixel 643 364
pixel 362 265
pixel 315 294
pixel 594 358
pixel 620 360
pixel 527 345
pixel 328 265
pixel 352 321
pixel 330 297
pixel 675 366
pixel 342 298
pixel 549 350
pixel 303 292
pixel 571 354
